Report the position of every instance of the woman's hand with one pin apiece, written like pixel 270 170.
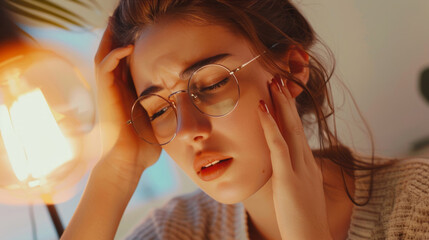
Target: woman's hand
pixel 297 181
pixel 115 177
pixel 125 156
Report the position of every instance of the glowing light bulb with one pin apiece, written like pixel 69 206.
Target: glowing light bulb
pixel 46 121
pixel 14 148
pixel 32 138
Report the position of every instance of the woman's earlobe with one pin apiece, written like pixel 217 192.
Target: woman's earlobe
pixel 296 66
pixel 297 60
pixel 302 76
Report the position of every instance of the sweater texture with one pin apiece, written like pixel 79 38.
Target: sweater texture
pixel 398 209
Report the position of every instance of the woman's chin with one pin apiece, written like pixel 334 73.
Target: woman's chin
pixel 234 193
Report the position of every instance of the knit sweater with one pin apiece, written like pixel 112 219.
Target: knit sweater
pixel 398 209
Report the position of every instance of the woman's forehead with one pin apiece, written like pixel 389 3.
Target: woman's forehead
pixel 183 40
pixel 166 48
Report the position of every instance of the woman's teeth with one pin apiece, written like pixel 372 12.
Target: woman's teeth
pixel 211 164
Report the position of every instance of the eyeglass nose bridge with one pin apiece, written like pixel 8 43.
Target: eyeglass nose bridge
pixel 193 96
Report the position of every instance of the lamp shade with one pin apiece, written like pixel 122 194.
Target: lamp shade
pixel 46 112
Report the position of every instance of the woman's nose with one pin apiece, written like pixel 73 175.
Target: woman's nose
pixel 193 125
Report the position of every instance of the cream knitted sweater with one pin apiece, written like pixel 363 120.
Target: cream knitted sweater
pixel 398 209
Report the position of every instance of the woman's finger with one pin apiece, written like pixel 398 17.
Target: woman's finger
pixel 109 95
pixel 308 154
pixel 110 62
pixel 290 127
pixel 280 158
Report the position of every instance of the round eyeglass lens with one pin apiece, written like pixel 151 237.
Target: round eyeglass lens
pixel 154 119
pixel 214 90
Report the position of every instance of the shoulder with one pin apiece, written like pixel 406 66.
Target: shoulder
pixel 399 203
pixel 191 216
pixel 407 177
pixel 407 211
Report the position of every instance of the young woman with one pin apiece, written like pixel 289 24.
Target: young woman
pixel 227 89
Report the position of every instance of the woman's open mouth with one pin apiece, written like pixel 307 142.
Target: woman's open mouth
pixel 209 166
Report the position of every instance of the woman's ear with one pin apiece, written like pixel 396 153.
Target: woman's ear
pixel 297 60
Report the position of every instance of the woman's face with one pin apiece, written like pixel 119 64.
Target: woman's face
pixel 169 47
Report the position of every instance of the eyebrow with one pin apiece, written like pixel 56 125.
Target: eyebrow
pixel 185 74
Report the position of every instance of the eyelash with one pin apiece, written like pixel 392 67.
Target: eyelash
pixel 159 113
pixel 217 85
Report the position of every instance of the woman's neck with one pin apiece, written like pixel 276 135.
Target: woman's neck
pixel 261 216
pixel 262 223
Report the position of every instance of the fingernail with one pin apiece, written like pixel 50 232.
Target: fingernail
pixel 276 80
pixel 274 83
pixel 263 106
pixel 282 82
pixel 279 80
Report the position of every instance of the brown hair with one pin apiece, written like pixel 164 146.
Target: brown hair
pixel 263 23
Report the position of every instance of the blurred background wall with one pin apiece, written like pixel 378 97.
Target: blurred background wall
pixel 381 48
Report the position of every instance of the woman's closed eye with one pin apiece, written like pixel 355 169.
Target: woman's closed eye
pixel 215 86
pixel 159 113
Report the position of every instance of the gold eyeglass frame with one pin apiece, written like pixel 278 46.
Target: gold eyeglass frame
pixel 192 96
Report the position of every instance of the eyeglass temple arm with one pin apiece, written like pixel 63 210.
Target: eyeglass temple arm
pixel 245 64
pixel 251 60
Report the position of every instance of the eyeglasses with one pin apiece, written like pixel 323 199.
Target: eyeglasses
pixel 213 90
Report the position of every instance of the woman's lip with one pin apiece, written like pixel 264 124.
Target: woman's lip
pixel 214 171
pixel 205 158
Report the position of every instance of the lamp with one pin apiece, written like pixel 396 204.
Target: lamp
pixel 46 115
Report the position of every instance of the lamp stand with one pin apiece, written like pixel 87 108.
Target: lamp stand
pixel 55 219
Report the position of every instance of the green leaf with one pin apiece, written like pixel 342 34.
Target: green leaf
pixel 61 9
pixel 34 7
pixel 24 13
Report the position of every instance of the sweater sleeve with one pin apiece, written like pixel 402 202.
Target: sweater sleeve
pixel 410 213
pixel 193 216
pixel 399 204
pixel 146 230
pixel 180 218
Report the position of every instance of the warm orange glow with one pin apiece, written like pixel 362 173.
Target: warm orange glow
pixel 34 143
